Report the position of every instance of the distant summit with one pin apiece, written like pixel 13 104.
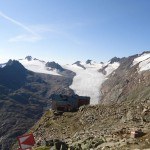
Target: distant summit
pixel 114 59
pixel 78 63
pixel 39 60
pixel 16 65
pixel 13 74
pixel 146 52
pixel 54 65
pixel 29 58
pixel 88 61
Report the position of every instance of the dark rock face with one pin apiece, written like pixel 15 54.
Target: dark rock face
pixel 64 72
pixel 29 58
pixel 54 65
pixel 115 59
pixel 145 52
pixel 102 70
pixel 88 61
pixel 53 143
pixel 39 60
pixel 24 95
pixel 67 73
pixel 78 63
pixel 13 75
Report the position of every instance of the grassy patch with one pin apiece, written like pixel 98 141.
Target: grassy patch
pixel 42 148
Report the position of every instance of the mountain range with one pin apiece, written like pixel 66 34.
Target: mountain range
pixel 27 84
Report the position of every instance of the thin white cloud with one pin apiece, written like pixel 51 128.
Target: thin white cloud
pixel 35 32
pixel 25 38
pixel 30 37
pixel 43 28
pixel 16 22
pixel 56 29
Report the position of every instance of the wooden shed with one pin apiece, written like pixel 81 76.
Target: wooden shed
pixel 68 103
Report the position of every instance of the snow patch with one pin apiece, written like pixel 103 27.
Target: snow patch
pixel 38 66
pixel 144 62
pixel 141 58
pixel 87 82
pixel 112 67
pixel 3 62
pixel 145 65
pixel 2 65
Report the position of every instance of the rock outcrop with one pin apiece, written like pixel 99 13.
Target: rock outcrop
pixel 24 96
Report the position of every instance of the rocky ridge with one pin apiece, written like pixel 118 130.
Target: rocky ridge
pixel 24 96
pixel 78 63
pixel 54 65
pixel 126 83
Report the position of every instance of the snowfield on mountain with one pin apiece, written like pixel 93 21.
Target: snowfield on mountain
pixel 88 78
pixel 87 82
pixel 144 62
pixel 38 66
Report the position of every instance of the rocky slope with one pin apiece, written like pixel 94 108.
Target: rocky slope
pixel 124 104
pixel 127 82
pixel 95 127
pixel 24 95
pixel 124 107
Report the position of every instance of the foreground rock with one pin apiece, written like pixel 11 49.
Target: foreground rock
pixel 100 127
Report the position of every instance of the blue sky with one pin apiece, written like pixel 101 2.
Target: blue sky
pixel 70 30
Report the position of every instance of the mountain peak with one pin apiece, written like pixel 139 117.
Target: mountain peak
pixel 15 64
pixel 78 63
pixel 54 65
pixel 29 58
pixel 114 59
pixel 146 52
pixel 13 74
pixel 88 61
pixel 10 61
